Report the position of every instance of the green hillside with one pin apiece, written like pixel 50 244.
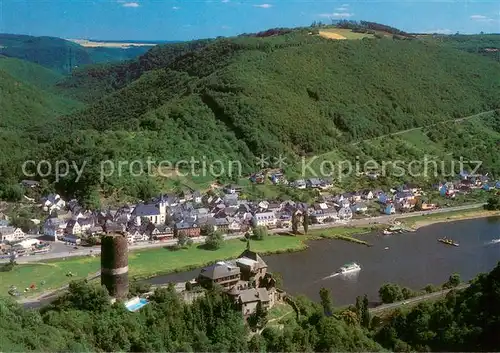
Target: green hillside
pixel 84 320
pixel 302 95
pixel 28 72
pixel 484 44
pixel 24 105
pixel 292 93
pixel 61 55
pixel 93 82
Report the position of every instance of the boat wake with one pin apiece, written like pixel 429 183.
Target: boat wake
pixel 331 276
pixel 494 241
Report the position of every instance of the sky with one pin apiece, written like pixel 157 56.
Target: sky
pixel 194 19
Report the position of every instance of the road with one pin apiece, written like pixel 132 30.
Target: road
pixel 62 251
pixel 427 126
pixel 416 300
pixel 46 298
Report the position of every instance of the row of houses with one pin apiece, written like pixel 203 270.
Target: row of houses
pixel 467 185
pixel 188 213
pixel 11 234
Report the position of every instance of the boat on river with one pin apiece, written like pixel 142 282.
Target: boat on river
pixel 348 268
pixel 448 241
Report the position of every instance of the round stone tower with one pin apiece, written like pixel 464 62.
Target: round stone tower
pixel 114 264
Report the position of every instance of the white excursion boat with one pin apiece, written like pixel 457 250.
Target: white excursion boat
pixel 348 268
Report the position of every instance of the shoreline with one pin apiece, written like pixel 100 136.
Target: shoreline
pixel 192 267
pixel 299 243
pixel 448 217
pixel 319 234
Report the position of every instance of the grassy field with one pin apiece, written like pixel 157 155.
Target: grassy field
pixel 141 263
pixel 341 33
pixel 148 263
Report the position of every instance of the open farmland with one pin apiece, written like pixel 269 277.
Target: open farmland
pixel 341 33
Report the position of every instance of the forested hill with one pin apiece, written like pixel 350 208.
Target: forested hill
pixel 264 92
pixel 83 320
pixel 24 103
pixel 290 92
pixel 93 82
pixel 29 72
pixel 59 54
pixel 483 44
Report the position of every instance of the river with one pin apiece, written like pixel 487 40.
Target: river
pixel 413 260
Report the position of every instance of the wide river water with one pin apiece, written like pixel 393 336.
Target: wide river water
pixel 413 260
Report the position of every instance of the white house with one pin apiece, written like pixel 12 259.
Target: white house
pixel 345 203
pixel 234 226
pixel 10 234
pixel 324 215
pixel 263 205
pixel 54 227
pixel 265 219
pixel 359 208
pixel 137 237
pixel 53 202
pixel 300 184
pixel 345 213
pixel 368 195
pixel 197 197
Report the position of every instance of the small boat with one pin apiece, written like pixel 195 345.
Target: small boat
pixel 348 268
pixel 386 248
pixel 387 232
pixel 448 241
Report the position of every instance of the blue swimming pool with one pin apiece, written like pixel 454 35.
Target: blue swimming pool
pixel 136 304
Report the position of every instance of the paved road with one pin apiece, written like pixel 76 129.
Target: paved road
pixel 416 300
pixel 64 253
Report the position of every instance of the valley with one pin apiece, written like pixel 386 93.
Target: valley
pixel 287 142
pixel 216 100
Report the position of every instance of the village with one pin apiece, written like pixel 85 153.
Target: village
pixel 191 213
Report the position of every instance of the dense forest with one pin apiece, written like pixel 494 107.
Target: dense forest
pixel 25 103
pixel 278 92
pixel 487 45
pixel 83 320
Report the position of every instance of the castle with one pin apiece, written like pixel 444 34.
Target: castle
pixel 245 279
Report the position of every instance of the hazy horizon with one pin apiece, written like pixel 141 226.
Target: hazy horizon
pixel 175 20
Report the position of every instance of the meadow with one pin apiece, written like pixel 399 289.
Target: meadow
pixel 342 33
pixel 146 263
pixel 150 263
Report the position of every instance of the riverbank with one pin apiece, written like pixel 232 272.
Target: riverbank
pixel 346 234
pixel 454 216
pixel 149 263
pixel 160 261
